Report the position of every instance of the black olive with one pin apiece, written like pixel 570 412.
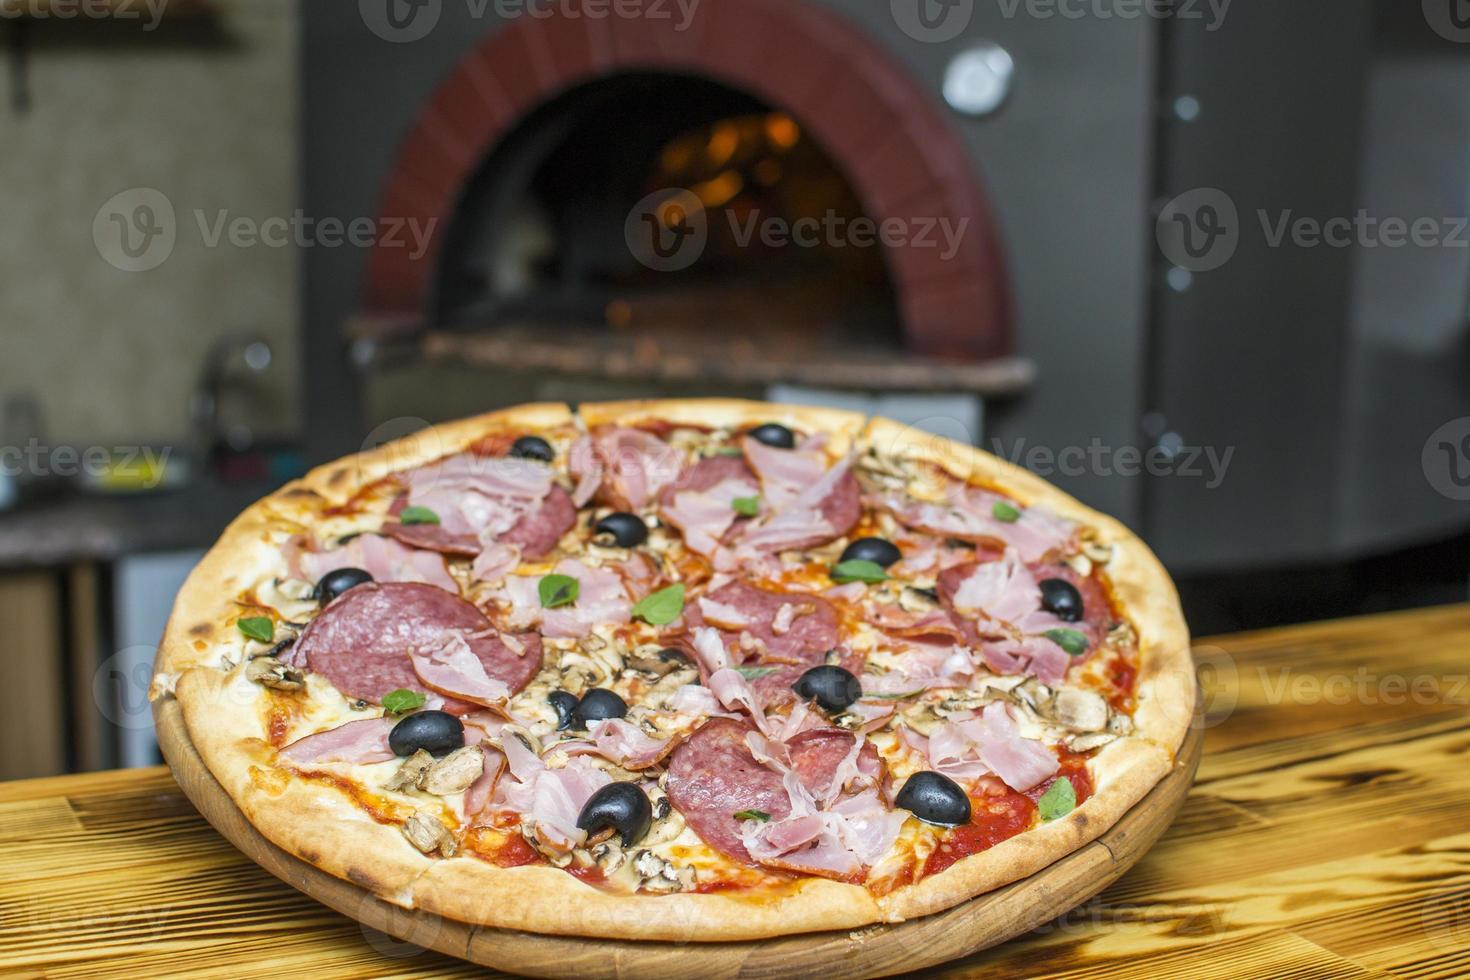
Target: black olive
pixel 877 550
pixel 623 807
pixel 338 581
pixel 1062 598
pixel 625 530
pixel 437 731
pixel 934 798
pixel 532 447
pixel 831 687
pixel 597 704
pixel 565 702
pixel 774 434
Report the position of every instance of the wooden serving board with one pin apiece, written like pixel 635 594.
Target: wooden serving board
pixel 878 950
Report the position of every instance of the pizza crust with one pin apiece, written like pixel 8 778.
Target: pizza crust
pixel 320 824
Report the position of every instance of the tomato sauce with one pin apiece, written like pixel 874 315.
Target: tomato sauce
pixel 502 849
pixel 1002 813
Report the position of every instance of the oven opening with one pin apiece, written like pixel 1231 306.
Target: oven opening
pixel 538 242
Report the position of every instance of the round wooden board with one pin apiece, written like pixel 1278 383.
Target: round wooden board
pixel 878 950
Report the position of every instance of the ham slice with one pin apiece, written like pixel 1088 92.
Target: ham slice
pixel 803 515
pixel 998 605
pixel 360 742
pixel 477 796
pixel 619 740
pixel 548 801
pixel 966 749
pixel 601 599
pixel 625 468
pixel 450 667
pixel 383 558
pixel 967 514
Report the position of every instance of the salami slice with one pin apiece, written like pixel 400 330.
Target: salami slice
pixel 817 754
pixel 432 537
pixel 538 531
pixel 713 776
pixel 709 473
pixel 361 642
pixel 803 644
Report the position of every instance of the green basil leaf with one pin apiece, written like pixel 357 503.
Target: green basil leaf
pixel 258 628
pixel 1072 641
pixel 662 607
pixel 748 506
pixel 401 700
pixel 1058 801
pixel 858 570
pixel 558 590
pixel 418 515
pixel 760 815
pixel 751 673
pixel 1003 511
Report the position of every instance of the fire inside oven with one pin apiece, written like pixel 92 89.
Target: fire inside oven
pixel 539 240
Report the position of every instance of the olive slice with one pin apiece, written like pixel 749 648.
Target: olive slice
pixel 1060 597
pixel 596 705
pixel 830 686
pixel 879 551
pixel 564 703
pixel 437 732
pixel 774 434
pixel 621 807
pixel 338 581
pixel 934 798
pixel 532 447
pixel 622 529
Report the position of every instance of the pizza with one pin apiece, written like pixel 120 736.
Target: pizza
pixel 684 670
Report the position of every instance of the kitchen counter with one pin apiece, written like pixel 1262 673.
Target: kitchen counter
pixel 1327 835
pixel 96 528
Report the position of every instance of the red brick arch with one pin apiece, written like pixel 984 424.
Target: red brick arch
pixel 867 111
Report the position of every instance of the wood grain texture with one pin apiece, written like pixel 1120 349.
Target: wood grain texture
pixel 1327 835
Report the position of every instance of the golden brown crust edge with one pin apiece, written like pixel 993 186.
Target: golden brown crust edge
pixel 473 891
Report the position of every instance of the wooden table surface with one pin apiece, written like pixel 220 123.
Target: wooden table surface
pixel 1328 835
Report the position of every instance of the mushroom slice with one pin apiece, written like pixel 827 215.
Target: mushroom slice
pixel 272 673
pixel 453 773
pixel 411 772
pixel 428 833
pixel 1088 741
pixel 1079 711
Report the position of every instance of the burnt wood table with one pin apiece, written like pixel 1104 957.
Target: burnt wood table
pixel 1328 835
